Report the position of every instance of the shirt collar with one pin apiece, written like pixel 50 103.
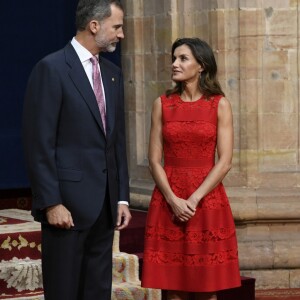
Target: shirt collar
pixel 81 51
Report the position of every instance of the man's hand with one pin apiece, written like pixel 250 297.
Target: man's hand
pixel 124 216
pixel 59 216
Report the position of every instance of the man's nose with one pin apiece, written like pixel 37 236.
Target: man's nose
pixel 121 34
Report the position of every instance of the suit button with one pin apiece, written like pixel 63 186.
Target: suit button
pixel 104 170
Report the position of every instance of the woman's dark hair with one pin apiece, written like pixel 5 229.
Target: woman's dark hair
pixel 99 10
pixel 208 82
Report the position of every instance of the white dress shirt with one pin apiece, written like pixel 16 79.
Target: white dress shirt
pixel 84 56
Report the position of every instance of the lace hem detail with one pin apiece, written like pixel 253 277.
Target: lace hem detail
pixel 178 259
pixel 190 236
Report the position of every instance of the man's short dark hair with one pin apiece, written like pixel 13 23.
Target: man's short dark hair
pixel 99 10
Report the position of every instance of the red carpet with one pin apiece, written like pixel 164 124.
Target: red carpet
pixel 20 251
pixel 20 203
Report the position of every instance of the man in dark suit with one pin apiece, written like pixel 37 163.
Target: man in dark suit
pixel 76 155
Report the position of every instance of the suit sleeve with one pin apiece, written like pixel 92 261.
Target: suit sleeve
pixel 40 122
pixel 121 149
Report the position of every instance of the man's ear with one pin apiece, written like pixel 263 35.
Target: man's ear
pixel 94 26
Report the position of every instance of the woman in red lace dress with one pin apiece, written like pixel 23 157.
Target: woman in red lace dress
pixel 190 239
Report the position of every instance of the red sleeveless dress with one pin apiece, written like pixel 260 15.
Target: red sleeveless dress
pixel 200 255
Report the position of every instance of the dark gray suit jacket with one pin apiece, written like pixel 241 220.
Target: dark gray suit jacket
pixel 69 158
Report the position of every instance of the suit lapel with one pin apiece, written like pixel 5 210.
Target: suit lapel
pixel 80 80
pixel 110 85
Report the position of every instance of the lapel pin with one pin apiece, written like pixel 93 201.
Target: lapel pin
pixel 113 79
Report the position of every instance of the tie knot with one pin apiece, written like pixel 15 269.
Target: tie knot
pixel 94 60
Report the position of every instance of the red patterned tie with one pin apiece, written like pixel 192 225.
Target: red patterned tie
pixel 98 90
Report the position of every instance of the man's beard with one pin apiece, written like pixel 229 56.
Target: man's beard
pixel 111 47
pixel 104 45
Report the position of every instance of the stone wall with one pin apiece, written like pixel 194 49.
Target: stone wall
pixel 256 44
